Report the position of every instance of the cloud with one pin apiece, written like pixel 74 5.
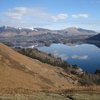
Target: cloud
pixel 64 57
pixel 58 17
pixel 55 53
pixel 85 57
pixel 38 17
pixel 80 16
pixel 17 12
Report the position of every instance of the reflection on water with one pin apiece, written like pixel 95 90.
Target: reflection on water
pixel 84 55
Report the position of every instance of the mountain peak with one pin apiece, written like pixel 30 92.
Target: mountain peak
pixel 70 28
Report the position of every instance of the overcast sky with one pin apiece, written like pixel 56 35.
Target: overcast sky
pixel 52 14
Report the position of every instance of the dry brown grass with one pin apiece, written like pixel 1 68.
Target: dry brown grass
pixel 21 74
pixel 18 71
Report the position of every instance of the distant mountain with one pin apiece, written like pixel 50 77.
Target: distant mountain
pixel 6 31
pixel 78 31
pixel 95 38
pixel 41 36
pixel 88 31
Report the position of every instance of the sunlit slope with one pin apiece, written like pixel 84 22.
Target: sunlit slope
pixel 19 72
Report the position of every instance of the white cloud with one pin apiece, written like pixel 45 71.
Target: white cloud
pixel 80 16
pixel 64 57
pixel 58 17
pixel 37 17
pixel 84 57
pixel 17 12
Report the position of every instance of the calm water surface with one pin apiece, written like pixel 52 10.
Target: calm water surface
pixel 84 55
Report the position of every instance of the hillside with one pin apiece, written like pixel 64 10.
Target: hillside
pixel 94 40
pixel 44 57
pixel 19 73
pixel 85 78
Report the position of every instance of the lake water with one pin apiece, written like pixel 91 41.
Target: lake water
pixel 86 56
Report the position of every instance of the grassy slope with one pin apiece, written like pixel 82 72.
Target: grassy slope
pixel 18 72
pixel 85 78
pixel 52 96
pixel 21 74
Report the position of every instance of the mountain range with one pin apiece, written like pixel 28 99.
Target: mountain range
pixel 7 31
pixel 39 36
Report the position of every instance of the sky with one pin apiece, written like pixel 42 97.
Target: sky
pixel 51 14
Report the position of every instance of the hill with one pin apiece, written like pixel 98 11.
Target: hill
pixel 84 78
pixel 19 73
pixel 73 31
pixel 94 40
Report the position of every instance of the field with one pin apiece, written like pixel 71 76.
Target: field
pixel 52 96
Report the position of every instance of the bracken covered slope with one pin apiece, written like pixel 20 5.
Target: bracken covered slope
pixel 19 73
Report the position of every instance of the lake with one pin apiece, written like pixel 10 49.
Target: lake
pixel 86 56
